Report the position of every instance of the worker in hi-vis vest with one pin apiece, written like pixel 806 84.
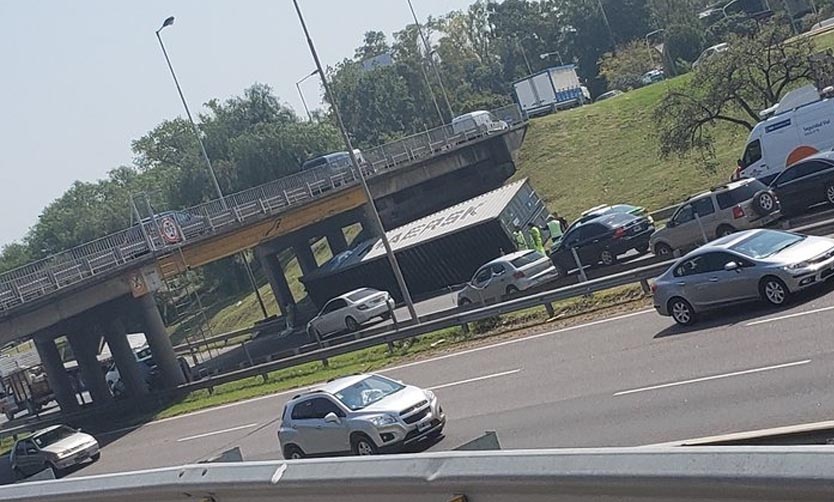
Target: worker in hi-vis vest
pixel 520 239
pixel 535 237
pixel 556 226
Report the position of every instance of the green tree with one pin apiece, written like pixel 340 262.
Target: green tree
pixel 623 69
pixel 752 75
pixel 14 255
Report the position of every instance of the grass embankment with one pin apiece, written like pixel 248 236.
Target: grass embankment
pixel 567 312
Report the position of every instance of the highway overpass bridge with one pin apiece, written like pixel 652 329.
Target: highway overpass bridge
pixel 105 288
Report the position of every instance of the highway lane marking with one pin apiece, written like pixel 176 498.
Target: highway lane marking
pixel 517 340
pixel 415 363
pixel 476 379
pixel 215 433
pixel 789 316
pixel 713 377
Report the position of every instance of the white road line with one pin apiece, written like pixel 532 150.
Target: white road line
pixel 714 377
pixel 517 340
pixel 224 431
pixel 789 316
pixel 476 379
pixel 416 363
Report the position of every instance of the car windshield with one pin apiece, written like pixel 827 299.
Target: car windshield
pixel 767 243
pixel 367 391
pixel 361 293
pixel 526 259
pixel 49 437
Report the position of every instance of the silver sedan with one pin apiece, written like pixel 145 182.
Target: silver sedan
pixel 756 264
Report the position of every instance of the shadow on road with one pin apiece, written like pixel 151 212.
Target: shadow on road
pixel 744 312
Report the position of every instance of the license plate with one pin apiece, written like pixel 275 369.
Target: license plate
pixel 423 427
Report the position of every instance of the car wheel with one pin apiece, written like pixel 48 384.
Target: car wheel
pixel 512 291
pixel 663 250
pixel 96 457
pixel 774 291
pixel 55 470
pixel 607 258
pixel 560 271
pixel 829 194
pixel 9 416
pixel 363 446
pixel 351 324
pixel 764 203
pixel 643 248
pixel 682 311
pixel 293 452
pixel 464 302
pixel 725 230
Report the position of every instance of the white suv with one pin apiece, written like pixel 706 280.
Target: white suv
pixel 359 415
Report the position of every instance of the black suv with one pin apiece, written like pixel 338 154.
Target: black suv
pixel 805 184
pixel 602 240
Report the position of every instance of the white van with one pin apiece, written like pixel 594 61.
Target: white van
pixel 802 124
pixel 480 122
pixel 336 160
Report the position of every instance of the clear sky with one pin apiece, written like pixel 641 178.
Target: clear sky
pixel 79 80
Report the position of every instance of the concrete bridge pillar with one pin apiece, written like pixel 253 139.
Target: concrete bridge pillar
pixel 306 258
pixel 56 374
pixel 336 240
pixel 160 343
pixel 129 373
pixel 85 348
pixel 268 258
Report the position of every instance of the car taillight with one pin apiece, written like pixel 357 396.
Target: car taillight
pixel 518 275
pixel 738 212
pixel 620 232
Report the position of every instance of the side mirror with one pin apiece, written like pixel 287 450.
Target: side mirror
pixel 729 267
pixel 332 418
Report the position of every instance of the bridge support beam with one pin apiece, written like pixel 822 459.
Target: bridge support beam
pixel 85 348
pixel 56 374
pixel 306 258
pixel 268 258
pixel 116 336
pixel 160 343
pixel 336 241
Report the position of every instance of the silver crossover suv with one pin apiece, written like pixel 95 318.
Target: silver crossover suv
pixel 766 264
pixel 359 415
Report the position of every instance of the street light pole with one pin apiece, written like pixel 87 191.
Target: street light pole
pixel 548 54
pixel 395 266
pixel 607 25
pixel 168 22
pixel 427 47
pixel 304 101
pixel 649 45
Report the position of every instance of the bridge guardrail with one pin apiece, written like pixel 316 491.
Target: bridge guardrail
pixel 731 473
pixel 120 249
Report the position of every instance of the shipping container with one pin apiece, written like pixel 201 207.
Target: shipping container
pixel 437 252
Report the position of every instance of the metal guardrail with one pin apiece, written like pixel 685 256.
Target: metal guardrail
pixel 626 474
pixel 126 247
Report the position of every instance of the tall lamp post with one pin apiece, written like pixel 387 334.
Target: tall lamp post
pixel 607 25
pixel 398 275
pixel 649 43
pixel 301 94
pixel 168 22
pixel 433 64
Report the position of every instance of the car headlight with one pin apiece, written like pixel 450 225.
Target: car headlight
pixel 797 266
pixel 381 420
pixel 430 395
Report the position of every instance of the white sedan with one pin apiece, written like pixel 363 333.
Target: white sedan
pixel 350 311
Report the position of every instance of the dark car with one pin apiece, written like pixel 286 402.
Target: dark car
pixel 602 240
pixel 805 184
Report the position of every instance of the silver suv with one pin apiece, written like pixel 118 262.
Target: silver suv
pixel 359 415
pixel 740 205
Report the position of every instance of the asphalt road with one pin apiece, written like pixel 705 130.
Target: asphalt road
pixel 630 380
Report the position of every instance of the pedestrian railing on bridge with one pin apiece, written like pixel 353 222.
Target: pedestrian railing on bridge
pixel 127 248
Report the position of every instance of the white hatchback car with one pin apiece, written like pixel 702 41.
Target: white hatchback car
pixel 506 276
pixel 360 414
pixel 350 311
